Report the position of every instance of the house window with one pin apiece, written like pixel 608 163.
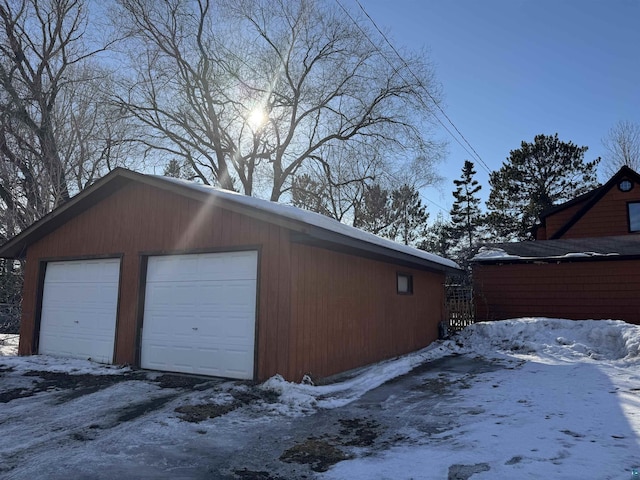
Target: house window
pixel 625 185
pixel 633 210
pixel 405 284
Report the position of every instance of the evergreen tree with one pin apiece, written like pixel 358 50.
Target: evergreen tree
pixel 397 214
pixel 175 169
pixel 437 238
pixel 373 213
pixel 466 217
pixel 410 216
pixel 532 179
pixel 310 194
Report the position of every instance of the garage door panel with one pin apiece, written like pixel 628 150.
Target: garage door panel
pixel 199 314
pixel 227 266
pixel 79 306
pixel 216 360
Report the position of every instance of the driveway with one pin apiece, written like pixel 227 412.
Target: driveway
pixel 139 425
pixel 531 399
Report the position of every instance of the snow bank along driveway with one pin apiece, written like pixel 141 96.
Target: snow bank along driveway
pixel 527 398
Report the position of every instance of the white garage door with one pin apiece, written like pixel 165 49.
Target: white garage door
pixel 79 308
pixel 200 314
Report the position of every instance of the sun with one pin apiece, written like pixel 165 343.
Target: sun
pixel 257 118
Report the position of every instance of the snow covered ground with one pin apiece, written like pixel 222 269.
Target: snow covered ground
pixel 8 344
pixel 527 398
pixel 570 410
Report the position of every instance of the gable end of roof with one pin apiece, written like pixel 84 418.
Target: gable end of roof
pixel 599 193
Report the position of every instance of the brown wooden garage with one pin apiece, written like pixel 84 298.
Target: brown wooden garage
pixel 204 274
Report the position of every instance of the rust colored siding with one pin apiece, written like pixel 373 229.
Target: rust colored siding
pixel 140 220
pixel 608 217
pixel 580 290
pixel 318 311
pixel 346 311
pixel 555 222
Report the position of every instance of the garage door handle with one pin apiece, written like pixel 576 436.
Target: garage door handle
pixel 194 328
pixel 76 321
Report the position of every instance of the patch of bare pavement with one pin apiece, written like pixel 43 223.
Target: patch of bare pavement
pixel 141 425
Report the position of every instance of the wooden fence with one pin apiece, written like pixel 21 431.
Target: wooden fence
pixel 459 306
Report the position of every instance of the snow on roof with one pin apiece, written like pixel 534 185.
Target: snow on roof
pixel 595 247
pixel 495 253
pixel 311 218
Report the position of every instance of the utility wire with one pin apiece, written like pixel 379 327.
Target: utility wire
pixel 475 154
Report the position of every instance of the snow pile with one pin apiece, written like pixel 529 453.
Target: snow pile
pixel 569 340
pixel 8 344
pixel 300 399
pixel 550 340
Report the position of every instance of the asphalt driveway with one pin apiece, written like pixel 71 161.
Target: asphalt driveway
pixel 525 398
pixel 140 425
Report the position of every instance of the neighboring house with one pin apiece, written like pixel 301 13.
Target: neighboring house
pixel 174 276
pixel 584 263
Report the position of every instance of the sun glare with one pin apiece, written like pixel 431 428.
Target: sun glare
pixel 257 118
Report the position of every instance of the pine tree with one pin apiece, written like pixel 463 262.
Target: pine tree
pixel 373 213
pixel 437 238
pixel 532 179
pixel 175 169
pixel 466 217
pixel 397 214
pixel 410 216
pixel 310 194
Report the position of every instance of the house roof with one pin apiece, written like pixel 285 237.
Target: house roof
pixel 308 227
pixel 570 203
pixel 591 198
pixel 578 249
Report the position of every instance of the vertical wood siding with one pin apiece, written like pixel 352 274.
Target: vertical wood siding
pixel 346 312
pixel 140 219
pixel 579 291
pixel 319 312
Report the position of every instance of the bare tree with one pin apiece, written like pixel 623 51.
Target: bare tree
pixel 57 131
pixel 622 147
pixel 253 93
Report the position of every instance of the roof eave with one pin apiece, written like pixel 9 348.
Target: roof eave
pixel 327 239
pixel 16 247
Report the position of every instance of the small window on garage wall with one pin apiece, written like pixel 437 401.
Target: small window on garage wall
pixel 633 210
pixel 404 284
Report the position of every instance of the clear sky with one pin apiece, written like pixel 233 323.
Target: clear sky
pixel 512 69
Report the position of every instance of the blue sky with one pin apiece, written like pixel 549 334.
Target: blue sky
pixel 513 69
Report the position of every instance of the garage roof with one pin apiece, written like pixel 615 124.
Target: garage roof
pixel 598 248
pixel 309 227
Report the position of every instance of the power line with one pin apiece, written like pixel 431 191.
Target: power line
pixel 407 66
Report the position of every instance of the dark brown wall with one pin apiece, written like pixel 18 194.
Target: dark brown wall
pixel 608 217
pixel 319 312
pixel 580 290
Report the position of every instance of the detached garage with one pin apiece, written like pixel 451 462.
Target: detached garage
pixel 174 276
